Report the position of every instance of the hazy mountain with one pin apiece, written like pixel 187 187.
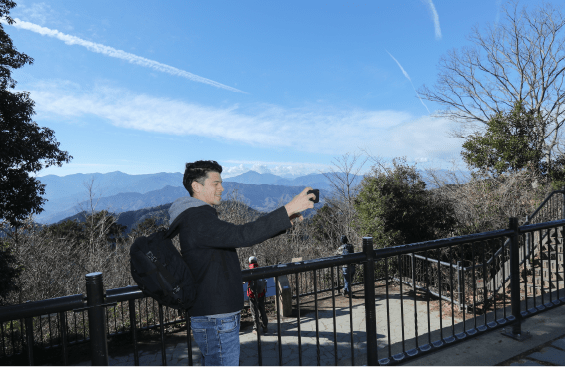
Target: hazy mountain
pixel 252 177
pixel 66 192
pixel 314 180
pixel 68 195
pixel 263 198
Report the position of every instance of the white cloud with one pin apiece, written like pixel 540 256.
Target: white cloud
pixel 283 169
pixel 119 54
pixel 435 18
pixel 36 12
pixel 314 130
pixel 408 77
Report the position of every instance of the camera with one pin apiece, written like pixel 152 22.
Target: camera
pixel 315 192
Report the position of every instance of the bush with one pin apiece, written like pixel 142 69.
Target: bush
pixel 395 208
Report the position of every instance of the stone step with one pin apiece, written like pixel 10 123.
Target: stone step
pixel 554 276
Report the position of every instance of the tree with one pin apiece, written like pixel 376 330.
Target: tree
pixel 9 269
pixel 519 60
pixel 395 208
pixel 24 146
pixel 508 145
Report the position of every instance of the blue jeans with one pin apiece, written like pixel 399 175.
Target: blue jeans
pixel 218 339
pixel 348 274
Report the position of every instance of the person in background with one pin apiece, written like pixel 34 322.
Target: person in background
pixel 348 270
pixel 257 301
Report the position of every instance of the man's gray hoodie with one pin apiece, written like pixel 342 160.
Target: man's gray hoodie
pixel 208 247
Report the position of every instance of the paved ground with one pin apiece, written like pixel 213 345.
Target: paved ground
pixel 546 347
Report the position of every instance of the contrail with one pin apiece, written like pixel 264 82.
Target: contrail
pixel 408 77
pixel 119 54
pixel 435 18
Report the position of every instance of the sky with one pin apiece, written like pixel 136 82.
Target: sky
pixel 282 87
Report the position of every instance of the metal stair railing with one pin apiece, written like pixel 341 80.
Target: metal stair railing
pixel 501 256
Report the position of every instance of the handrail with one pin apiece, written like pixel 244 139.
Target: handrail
pixel 542 204
pixel 526 227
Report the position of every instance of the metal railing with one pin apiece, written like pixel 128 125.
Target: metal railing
pixel 400 322
pixel 552 208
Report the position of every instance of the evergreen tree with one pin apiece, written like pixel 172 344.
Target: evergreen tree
pixel 24 146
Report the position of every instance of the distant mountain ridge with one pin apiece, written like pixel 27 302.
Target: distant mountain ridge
pixel 122 192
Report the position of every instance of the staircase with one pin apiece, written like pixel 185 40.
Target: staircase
pixel 544 273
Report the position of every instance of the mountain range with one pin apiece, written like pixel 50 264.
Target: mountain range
pixel 119 192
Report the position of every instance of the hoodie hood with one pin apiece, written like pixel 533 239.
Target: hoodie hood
pixel 181 204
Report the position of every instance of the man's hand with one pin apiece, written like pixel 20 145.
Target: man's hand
pixel 300 203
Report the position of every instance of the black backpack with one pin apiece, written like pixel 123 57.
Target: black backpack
pixel 160 271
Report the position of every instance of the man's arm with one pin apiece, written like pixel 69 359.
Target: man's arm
pixel 210 231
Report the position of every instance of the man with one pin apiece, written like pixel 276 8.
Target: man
pixel 208 247
pixel 256 290
pixel 348 270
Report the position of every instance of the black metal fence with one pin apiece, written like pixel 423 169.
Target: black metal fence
pixel 401 321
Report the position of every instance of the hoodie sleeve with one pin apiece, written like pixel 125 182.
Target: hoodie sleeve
pixel 207 230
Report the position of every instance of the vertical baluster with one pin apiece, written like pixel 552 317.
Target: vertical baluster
pixel 399 261
pixel 162 330
pixel 258 326
pixel 64 341
pixel 40 333
pixel 493 276
pixel 462 303
pixel 298 320
pixel 427 267
pixel 526 263
pixel 50 331
pixel 333 316
pixel 83 326
pixel 505 260
pixel 29 337
pixel 451 338
pixel 316 317
pixel 351 343
pixel 278 302
pixel 549 266
pixel 387 308
pixel 542 275
pixel 115 318
pixel 485 294
pixel 3 341
pixel 413 258
pixel 133 326
pixel 562 299
pixel 123 323
pixel 440 342
pixel 473 264
pixel 534 309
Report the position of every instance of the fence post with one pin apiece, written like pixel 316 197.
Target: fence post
pixel 370 312
pixel 516 332
pixel 96 321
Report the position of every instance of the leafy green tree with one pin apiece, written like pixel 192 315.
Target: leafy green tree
pixel 510 144
pixel 395 208
pixel 9 269
pixel 24 146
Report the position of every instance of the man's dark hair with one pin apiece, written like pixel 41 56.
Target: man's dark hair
pixel 198 171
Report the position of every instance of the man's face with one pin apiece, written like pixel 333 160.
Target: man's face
pixel 211 191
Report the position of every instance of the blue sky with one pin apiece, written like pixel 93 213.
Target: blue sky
pixel 275 86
